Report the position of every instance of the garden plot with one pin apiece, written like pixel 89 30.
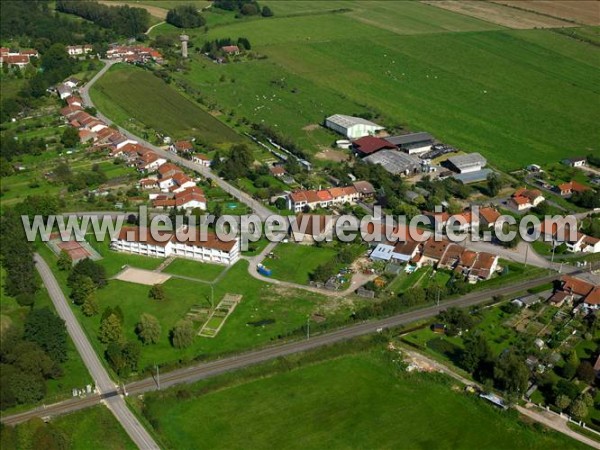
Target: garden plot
pixel 217 319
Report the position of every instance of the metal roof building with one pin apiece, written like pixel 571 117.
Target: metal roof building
pixel 412 143
pixel 395 162
pixel 352 127
pixel 473 177
pixel 470 162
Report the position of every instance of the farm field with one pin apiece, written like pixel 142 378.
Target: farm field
pixel 524 89
pixel 582 11
pixel 500 14
pixel 359 401
pixel 126 92
pixel 295 262
pixel 93 428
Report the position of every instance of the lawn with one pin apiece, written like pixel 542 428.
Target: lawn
pixel 94 427
pixel 126 92
pixel 471 84
pixel 295 262
pixel 356 401
pixel 194 269
pixel 261 301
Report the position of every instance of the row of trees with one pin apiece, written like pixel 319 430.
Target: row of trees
pixel 124 20
pixel 31 355
pixel 346 254
pixel 185 16
pixel 243 7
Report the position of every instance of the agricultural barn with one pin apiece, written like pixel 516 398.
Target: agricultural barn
pixel 352 127
pixel 412 143
pixel 395 162
pixel 370 144
pixel 471 162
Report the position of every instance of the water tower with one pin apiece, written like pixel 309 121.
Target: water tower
pixel 184 38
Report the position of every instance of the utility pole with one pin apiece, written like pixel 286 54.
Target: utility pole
pixel 526 254
pixel 157 376
pixel 308 327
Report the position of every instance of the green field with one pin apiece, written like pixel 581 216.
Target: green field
pixel 295 262
pixel 516 96
pixel 126 92
pixel 93 428
pixel 356 401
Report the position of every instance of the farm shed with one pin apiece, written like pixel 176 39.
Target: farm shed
pixel 414 143
pixel 395 162
pixel 352 127
pixel 471 162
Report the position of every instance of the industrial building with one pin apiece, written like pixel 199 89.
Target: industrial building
pixel 414 143
pixel 470 162
pixel 352 127
pixel 395 162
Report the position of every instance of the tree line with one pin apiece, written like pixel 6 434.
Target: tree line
pixel 124 20
pixel 243 7
pixel 185 16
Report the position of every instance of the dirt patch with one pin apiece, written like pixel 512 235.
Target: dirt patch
pixel 329 154
pixel 155 11
pixel 500 14
pixel 586 12
pixel 311 127
pixel 140 276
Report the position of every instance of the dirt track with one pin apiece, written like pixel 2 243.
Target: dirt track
pixel 586 12
pixel 500 14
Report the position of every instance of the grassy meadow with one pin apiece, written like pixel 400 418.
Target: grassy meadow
pixel 126 92
pixel 92 428
pixel 295 262
pixel 516 96
pixel 353 401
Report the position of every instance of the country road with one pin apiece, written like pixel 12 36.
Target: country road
pixel 104 384
pixel 213 368
pixel 261 210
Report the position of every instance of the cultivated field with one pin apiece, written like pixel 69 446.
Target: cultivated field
pixel 585 12
pixel 126 92
pixel 356 401
pixel 159 13
pixel 500 14
pixel 516 96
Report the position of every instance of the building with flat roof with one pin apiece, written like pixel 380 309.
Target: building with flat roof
pixel 352 127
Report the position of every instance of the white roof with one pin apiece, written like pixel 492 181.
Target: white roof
pixel 468 160
pixel 348 121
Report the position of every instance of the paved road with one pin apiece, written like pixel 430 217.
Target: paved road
pixel 104 384
pixel 212 368
pixel 261 210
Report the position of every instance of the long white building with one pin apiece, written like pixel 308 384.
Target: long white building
pixel 352 127
pixel 207 249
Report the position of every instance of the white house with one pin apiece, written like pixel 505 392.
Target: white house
pixel 201 159
pixel 352 127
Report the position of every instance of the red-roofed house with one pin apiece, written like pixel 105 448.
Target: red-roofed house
pixel 231 49
pixel 201 159
pixel 181 147
pixel 524 199
pixel 571 187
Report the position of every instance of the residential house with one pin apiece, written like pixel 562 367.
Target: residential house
pixel 201 159
pixel 571 187
pixel 298 201
pixel 181 147
pixel 524 199
pixel 310 228
pixel 231 49
pixel 575 162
